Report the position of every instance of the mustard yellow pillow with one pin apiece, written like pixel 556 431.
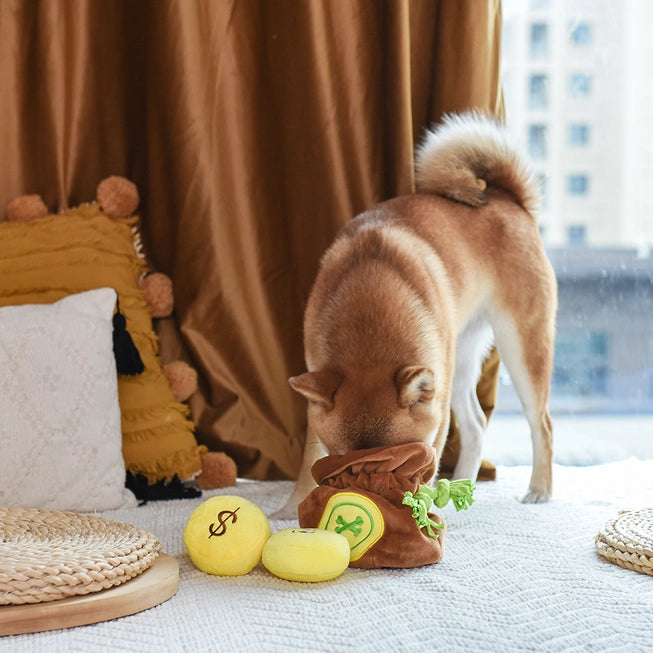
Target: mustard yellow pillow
pixel 83 249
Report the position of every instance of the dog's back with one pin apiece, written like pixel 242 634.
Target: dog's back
pixel 385 262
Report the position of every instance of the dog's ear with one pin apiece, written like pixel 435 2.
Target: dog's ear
pixel 317 386
pixel 414 384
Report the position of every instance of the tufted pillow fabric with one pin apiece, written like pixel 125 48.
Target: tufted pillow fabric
pixel 80 249
pixel 60 428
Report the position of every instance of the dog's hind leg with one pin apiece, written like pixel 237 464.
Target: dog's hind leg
pixel 472 348
pixel 526 350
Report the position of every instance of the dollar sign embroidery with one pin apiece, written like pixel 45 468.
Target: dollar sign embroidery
pixel 221 527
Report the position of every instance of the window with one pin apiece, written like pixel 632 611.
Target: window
pixel 579 135
pixel 581 364
pixel 539 40
pixel 577 184
pixel 543 185
pixel 580 85
pixel 537 141
pixel 580 34
pixel 577 235
pixel 538 92
pixel 507 39
pixel 591 91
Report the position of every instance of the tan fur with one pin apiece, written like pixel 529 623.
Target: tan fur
pixel 411 296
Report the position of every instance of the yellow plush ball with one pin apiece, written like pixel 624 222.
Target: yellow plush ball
pixel 225 535
pixel 309 555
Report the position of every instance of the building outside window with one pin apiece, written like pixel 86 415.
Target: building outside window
pixel 577 235
pixel 579 134
pixel 539 40
pixel 581 34
pixel 580 85
pixel 537 141
pixel 577 184
pixel 542 182
pixel 581 363
pixel 538 91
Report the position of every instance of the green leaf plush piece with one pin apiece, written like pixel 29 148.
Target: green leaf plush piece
pixel 459 492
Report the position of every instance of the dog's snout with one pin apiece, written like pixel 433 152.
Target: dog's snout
pixel 365 432
pixel 366 441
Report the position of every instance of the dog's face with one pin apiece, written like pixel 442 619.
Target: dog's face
pixel 357 410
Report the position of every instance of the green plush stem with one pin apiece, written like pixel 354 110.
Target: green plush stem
pixel 420 507
pixel 459 492
pixel 462 493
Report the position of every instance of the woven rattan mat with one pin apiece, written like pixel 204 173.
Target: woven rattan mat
pixel 46 555
pixel 627 540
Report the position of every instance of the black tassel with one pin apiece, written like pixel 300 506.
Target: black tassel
pixel 128 360
pixel 161 490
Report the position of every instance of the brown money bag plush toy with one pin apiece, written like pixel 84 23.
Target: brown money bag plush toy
pixel 378 499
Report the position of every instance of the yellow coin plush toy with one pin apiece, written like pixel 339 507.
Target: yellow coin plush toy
pixel 225 535
pixel 309 555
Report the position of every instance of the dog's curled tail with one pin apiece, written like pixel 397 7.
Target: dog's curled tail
pixel 466 153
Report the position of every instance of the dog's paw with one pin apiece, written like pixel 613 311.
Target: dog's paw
pixel 287 512
pixel 536 496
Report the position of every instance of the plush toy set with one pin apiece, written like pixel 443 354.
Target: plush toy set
pixel 371 509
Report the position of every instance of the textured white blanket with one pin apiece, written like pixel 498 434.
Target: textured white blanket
pixel 514 577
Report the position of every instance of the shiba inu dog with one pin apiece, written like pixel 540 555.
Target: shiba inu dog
pixel 412 295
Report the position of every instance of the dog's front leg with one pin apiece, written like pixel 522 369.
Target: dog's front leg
pixel 313 450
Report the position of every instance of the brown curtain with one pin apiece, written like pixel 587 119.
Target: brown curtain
pixel 254 130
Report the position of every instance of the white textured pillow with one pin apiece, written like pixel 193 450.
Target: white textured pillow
pixel 60 435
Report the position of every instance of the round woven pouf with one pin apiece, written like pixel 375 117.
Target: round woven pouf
pixel 627 540
pixel 46 555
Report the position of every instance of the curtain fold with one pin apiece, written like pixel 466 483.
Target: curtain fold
pixel 254 130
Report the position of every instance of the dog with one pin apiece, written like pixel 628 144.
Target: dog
pixel 411 297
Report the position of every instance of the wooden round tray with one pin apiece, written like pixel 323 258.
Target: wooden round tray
pixel 60 569
pixel 154 586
